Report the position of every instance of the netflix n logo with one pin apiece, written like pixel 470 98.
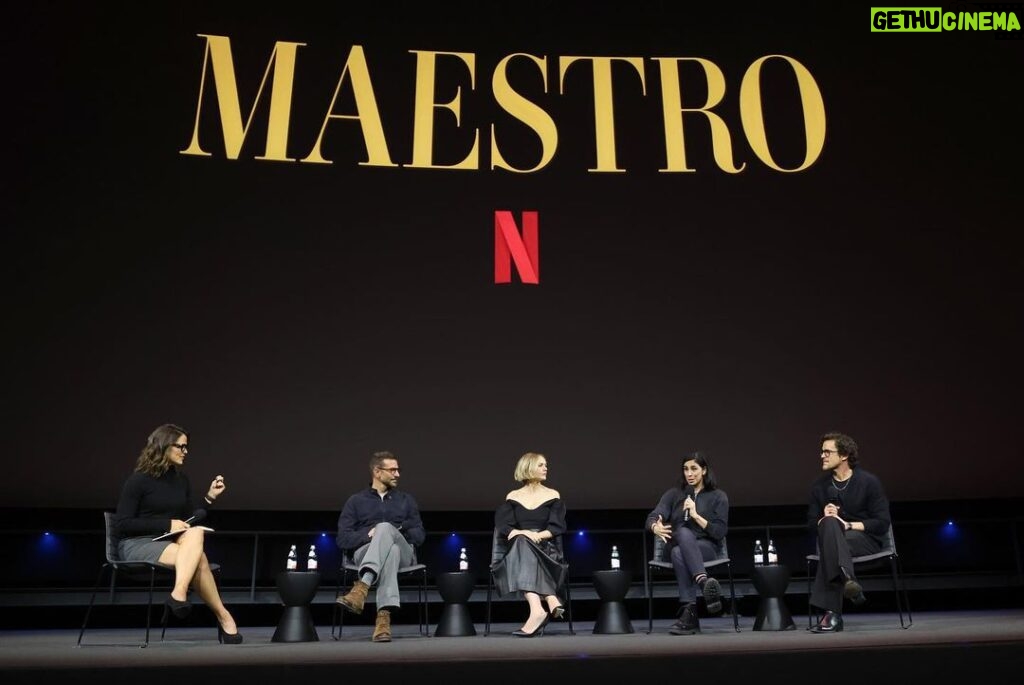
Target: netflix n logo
pixel 513 247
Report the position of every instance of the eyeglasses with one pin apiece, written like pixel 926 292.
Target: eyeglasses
pixel 827 452
pixel 393 470
pixel 183 446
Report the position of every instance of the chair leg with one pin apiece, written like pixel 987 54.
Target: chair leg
pixel 649 591
pixel 425 626
pixel 490 584
pixel 149 607
pixel 898 584
pixel 340 610
pixel 568 602
pixel 92 600
pixel 809 594
pixel 732 595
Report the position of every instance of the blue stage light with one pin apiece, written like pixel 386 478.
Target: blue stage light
pixel 48 542
pixel 949 522
pixel 579 533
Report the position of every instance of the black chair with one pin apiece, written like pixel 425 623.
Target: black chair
pixel 658 564
pixel 136 568
pixel 499 548
pixel 414 569
pixel 898 585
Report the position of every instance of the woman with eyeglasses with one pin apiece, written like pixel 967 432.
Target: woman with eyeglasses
pixel 531 520
pixel 692 520
pixel 155 500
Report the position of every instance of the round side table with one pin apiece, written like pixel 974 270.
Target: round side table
pixel 297 590
pixel 612 586
pixel 771 582
pixel 455 588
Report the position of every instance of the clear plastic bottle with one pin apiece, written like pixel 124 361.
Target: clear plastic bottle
pixel 463 560
pixel 615 557
pixel 311 562
pixel 758 553
pixel 773 556
pixel 293 559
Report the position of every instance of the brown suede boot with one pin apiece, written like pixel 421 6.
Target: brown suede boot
pixel 355 598
pixel 382 631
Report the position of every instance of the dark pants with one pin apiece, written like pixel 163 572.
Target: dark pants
pixel 688 555
pixel 836 548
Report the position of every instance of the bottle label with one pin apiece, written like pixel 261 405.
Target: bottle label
pixel 311 565
pixel 291 565
pixel 758 558
pixel 615 563
pixel 463 565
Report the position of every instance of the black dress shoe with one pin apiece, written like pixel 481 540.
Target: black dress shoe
pixel 180 609
pixel 852 590
pixel 539 630
pixel 831 622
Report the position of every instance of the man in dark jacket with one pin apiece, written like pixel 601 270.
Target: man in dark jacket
pixel 380 526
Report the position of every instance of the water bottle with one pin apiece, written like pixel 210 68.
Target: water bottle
pixel 293 560
pixel 463 561
pixel 615 557
pixel 773 557
pixel 758 553
pixel 311 559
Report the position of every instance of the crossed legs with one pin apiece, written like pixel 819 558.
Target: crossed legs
pixel 192 569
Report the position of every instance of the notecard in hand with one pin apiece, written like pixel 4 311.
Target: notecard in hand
pixel 175 533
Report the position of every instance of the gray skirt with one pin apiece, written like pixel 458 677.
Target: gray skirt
pixel 530 567
pixel 142 549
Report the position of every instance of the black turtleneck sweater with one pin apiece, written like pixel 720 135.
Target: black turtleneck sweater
pixel 148 504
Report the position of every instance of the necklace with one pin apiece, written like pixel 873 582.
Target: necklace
pixel 836 483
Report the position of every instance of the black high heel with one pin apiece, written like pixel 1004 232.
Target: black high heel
pixel 228 638
pixel 558 613
pixel 180 609
pixel 539 630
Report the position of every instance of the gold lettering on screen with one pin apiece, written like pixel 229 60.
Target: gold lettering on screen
pixel 443 140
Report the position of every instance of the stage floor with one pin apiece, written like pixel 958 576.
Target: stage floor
pixel 940 644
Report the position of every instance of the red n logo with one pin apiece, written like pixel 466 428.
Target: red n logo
pixel 510 246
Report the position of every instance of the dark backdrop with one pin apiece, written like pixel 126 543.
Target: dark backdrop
pixel 297 317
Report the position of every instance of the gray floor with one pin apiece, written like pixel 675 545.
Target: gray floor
pixel 55 649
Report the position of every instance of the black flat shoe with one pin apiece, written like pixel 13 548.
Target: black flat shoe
pixel 228 638
pixel 539 630
pixel 831 622
pixel 180 609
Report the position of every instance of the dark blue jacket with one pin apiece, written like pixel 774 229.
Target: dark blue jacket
pixel 367 508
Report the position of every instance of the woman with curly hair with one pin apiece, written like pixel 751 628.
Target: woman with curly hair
pixel 157 499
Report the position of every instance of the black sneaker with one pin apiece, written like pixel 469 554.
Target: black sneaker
pixel 713 596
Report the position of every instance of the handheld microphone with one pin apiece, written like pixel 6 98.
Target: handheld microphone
pixel 687 492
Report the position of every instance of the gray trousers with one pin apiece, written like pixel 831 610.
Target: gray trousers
pixel 386 552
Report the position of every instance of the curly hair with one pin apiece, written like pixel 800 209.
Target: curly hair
pixel 153 458
pixel 845 445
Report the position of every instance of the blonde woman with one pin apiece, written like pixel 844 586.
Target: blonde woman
pixel 530 520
